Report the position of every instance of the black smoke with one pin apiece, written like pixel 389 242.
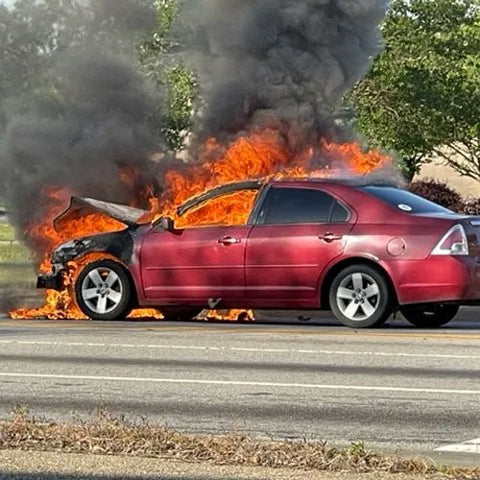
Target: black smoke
pixel 278 63
pixel 87 115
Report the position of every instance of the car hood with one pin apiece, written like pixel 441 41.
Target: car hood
pixel 80 206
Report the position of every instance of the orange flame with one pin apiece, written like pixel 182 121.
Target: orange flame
pixel 260 155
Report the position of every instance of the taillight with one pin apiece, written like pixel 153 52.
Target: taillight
pixel 454 242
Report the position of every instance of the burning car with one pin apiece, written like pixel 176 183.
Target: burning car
pixel 362 251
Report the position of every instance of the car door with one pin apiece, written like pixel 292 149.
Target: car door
pixel 200 264
pixel 299 231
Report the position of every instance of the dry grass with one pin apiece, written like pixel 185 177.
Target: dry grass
pixel 109 436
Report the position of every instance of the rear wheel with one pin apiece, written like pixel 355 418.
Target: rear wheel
pixel 103 291
pixel 180 313
pixel 360 297
pixel 431 316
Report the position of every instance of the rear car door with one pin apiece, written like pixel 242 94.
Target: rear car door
pixel 196 264
pixel 298 232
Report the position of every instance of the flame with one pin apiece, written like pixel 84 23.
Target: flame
pixel 43 237
pixel 61 305
pixel 232 209
pixel 257 156
pixel 230 315
pixel 263 156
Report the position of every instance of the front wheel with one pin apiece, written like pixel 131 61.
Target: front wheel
pixel 430 316
pixel 360 297
pixel 103 291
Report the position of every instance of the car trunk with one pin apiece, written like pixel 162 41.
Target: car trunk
pixel 470 224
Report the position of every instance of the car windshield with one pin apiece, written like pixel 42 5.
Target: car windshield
pixel 405 201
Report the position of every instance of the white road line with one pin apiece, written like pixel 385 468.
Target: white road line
pixel 240 349
pixel 349 352
pixel 188 381
pixel 472 446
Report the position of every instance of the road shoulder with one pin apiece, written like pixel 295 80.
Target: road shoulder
pixel 49 465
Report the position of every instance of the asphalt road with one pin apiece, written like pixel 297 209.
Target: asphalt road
pixel 397 387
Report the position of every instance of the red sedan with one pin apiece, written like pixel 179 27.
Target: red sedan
pixel 361 251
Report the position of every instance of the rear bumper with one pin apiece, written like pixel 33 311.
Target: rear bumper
pixel 50 281
pixel 437 279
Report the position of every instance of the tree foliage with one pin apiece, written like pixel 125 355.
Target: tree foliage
pixel 422 96
pixel 162 67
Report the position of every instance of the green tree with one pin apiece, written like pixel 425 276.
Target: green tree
pixel 422 96
pixel 160 65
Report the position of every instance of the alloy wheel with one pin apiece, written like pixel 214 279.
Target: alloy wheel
pixel 358 296
pixel 102 290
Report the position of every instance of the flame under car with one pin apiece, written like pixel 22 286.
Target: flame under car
pixel 361 251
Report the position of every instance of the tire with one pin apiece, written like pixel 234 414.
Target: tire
pixel 103 291
pixel 182 314
pixel 433 316
pixel 360 297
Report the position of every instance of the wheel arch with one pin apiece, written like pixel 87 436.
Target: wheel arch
pixel 334 269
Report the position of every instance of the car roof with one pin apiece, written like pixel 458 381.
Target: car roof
pixel 347 182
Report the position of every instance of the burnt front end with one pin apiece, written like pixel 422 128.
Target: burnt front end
pixel 116 244
pixel 51 281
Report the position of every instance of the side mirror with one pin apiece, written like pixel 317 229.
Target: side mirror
pixel 166 223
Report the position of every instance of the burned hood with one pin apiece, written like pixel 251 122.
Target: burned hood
pixel 80 207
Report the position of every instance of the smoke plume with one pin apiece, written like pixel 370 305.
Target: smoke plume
pixel 87 115
pixel 279 63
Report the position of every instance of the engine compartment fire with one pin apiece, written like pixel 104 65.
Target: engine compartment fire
pixel 255 158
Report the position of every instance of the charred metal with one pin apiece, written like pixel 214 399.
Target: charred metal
pixel 116 244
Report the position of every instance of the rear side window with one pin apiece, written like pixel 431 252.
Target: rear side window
pixel 405 201
pixel 285 206
pixel 339 213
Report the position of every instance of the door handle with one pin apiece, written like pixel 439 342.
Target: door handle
pixel 329 237
pixel 229 241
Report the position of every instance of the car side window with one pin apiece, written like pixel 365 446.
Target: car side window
pixel 339 213
pixel 285 206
